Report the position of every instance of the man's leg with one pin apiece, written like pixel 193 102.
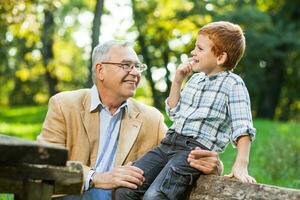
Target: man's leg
pixel 151 163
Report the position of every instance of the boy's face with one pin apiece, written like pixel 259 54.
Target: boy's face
pixel 204 60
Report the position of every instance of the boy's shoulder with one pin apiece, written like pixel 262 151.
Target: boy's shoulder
pixel 234 79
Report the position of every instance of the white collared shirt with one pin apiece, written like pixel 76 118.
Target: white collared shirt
pixel 108 135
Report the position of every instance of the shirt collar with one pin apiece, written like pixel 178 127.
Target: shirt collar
pixel 95 100
pixel 219 74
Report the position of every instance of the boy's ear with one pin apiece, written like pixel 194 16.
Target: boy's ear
pixel 99 71
pixel 221 59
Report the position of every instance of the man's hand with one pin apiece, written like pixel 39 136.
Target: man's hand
pixel 206 161
pixel 123 176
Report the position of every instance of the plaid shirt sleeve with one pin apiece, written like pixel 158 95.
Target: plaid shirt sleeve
pixel 171 112
pixel 240 112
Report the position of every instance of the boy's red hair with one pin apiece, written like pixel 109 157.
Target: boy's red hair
pixel 226 37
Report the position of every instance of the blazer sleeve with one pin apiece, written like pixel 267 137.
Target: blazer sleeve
pixel 54 130
pixel 54 127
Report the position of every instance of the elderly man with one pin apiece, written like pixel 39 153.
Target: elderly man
pixel 105 129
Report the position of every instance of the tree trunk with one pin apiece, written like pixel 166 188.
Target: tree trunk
pixel 219 188
pixel 274 77
pixel 47 51
pixel 95 35
pixel 144 51
pixel 155 94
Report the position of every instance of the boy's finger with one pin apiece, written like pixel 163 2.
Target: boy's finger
pixel 228 176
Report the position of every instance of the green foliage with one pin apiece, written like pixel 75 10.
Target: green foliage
pixel 270 66
pixel 166 32
pixel 26 70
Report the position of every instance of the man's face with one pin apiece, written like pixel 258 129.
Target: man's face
pixel 204 59
pixel 115 80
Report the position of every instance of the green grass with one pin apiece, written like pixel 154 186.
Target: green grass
pixel 274 157
pixel 6 197
pixel 25 122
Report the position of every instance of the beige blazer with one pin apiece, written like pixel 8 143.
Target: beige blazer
pixel 70 123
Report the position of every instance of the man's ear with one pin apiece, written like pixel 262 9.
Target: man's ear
pixel 99 71
pixel 221 59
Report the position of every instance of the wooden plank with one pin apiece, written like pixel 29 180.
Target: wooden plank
pixel 16 151
pixel 35 190
pixel 217 188
pixel 66 180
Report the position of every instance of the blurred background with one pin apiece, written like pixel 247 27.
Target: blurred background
pixel 45 48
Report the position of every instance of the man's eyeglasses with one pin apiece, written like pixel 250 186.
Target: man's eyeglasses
pixel 128 66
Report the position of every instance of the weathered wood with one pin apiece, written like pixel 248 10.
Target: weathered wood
pixel 35 190
pixel 212 187
pixel 16 151
pixel 20 179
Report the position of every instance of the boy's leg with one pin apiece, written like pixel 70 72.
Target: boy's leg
pixel 151 163
pixel 175 178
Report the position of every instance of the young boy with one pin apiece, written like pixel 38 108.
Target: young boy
pixel 212 110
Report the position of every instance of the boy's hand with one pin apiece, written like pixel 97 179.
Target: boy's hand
pixel 184 70
pixel 241 173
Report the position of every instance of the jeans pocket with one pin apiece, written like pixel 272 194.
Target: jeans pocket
pixel 175 183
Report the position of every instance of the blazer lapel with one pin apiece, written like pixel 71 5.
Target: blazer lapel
pixel 129 130
pixel 91 125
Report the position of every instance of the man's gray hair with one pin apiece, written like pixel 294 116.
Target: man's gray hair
pixel 101 50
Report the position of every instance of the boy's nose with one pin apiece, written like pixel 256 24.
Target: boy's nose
pixel 193 52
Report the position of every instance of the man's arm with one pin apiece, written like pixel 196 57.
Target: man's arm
pixel 206 161
pixel 54 127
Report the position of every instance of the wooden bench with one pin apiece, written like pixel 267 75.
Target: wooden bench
pixel 36 171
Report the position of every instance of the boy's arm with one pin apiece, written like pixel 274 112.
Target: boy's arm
pixel 184 70
pixel 243 130
pixel 243 150
pixel 240 167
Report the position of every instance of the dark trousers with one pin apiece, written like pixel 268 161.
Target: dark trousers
pixel 166 170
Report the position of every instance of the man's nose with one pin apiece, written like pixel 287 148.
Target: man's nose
pixel 134 71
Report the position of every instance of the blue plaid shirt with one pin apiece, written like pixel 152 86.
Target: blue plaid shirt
pixel 215 110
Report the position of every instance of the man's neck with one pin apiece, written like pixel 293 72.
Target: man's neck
pixel 110 101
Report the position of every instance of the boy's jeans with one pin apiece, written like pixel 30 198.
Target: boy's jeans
pixel 166 170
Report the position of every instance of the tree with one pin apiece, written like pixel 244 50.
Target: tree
pixel 47 50
pixel 95 34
